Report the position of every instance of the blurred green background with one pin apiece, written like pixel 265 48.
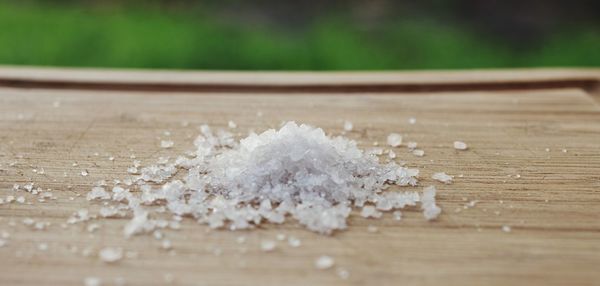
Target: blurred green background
pixel 300 35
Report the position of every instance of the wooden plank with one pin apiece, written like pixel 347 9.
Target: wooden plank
pixel 553 208
pixel 277 82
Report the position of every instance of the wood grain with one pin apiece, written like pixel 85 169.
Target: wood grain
pixel 553 208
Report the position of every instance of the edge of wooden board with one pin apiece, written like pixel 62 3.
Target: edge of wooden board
pixel 271 82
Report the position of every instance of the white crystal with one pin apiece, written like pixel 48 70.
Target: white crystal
pixel 92 281
pixel 111 254
pixel 442 177
pixel 348 126
pixel 166 144
pixel 459 145
pixel 370 211
pixel 267 245
pixel 324 262
pixel 430 209
pixel 296 172
pixel 394 139
pixel 411 145
pixel 294 242
pixel 98 193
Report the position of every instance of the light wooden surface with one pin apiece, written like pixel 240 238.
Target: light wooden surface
pixel 553 208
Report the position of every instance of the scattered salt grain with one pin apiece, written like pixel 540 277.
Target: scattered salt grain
pixel 28 221
pixel 92 281
pixel 93 227
pixel 411 145
pixel 166 244
pixel 442 177
pixel 372 229
pixel 42 246
pixel 459 145
pixel 430 209
pixel 348 126
pixel 98 193
pixel 343 273
pixel 394 139
pixel 110 254
pixel 397 215
pixel 370 211
pixel 418 152
pixel 84 173
pixel 166 144
pixel 3 242
pixel 324 262
pixel 412 120
pixel 267 245
pixel 506 228
pixel 231 124
pixel 294 242
pixel 392 154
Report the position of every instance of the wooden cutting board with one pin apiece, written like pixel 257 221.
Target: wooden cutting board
pixel 533 164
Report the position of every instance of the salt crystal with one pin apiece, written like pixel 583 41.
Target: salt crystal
pixel 324 262
pixel 411 145
pixel 267 245
pixel 166 144
pixel 397 215
pixel 343 273
pixel 418 152
pixel 392 154
pixel 506 228
pixel 98 193
pixel 111 254
pixel 21 199
pixel 166 244
pixel 93 227
pixel 294 242
pixel 430 209
pixel 42 246
pixel 231 124
pixel 92 281
pixel 442 177
pixel 394 139
pixel 370 211
pixel 84 173
pixel 412 120
pixel 459 145
pixel 296 172
pixel 348 126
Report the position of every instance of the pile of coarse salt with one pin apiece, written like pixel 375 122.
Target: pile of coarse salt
pixel 295 172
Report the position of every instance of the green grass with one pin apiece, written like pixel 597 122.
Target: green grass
pixel 34 34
